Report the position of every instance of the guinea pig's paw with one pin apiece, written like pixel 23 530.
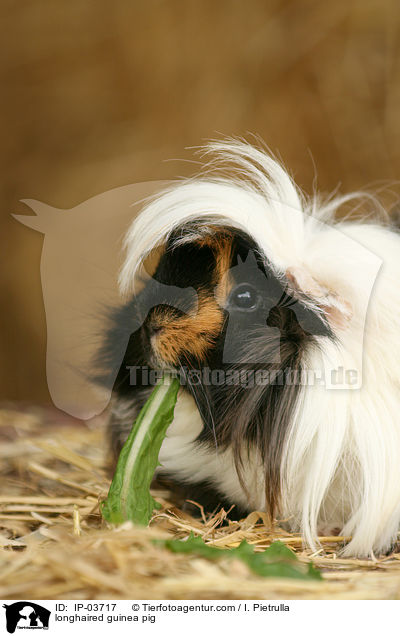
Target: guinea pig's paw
pixel 338 310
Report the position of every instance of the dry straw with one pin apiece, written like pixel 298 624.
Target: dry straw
pixel 54 544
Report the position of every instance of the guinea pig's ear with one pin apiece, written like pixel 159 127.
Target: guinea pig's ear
pixel 337 310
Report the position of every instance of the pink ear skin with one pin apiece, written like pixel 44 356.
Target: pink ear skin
pixel 337 310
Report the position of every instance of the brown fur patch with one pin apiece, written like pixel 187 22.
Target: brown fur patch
pixel 194 335
pixel 223 259
pixel 221 242
pixel 191 335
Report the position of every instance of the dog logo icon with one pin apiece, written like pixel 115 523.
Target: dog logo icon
pixel 26 615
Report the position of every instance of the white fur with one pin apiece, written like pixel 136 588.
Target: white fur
pixel 182 457
pixel 342 459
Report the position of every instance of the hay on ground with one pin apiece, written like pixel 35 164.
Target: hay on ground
pixel 55 545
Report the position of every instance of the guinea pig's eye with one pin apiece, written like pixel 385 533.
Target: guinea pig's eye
pixel 244 296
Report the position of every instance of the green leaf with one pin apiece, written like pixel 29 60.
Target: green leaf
pixel 192 544
pixel 129 495
pixel 278 550
pixel 277 560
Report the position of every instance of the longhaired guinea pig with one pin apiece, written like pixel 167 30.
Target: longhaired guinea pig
pixel 256 291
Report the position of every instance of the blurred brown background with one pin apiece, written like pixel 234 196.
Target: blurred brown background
pixel 98 94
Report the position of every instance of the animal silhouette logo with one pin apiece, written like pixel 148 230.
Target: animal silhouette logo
pixel 26 615
pixel 81 258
